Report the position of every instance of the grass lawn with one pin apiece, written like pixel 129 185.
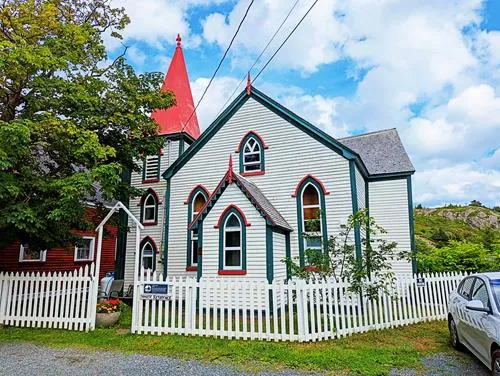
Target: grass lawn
pixel 373 353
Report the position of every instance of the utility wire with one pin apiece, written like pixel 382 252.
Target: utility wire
pixel 286 39
pixel 262 53
pixel 220 63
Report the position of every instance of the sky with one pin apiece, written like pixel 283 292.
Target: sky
pixel 429 68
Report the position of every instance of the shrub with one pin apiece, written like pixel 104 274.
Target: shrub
pixel 458 256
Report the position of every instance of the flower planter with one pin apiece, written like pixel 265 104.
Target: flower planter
pixel 106 320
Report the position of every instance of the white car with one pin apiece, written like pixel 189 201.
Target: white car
pixel 474 318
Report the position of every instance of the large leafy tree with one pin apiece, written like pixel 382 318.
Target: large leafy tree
pixel 70 118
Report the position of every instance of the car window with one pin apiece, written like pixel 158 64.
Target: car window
pixel 480 292
pixel 465 287
pixel 495 288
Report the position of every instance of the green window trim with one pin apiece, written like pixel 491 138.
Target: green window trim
pixel 192 196
pixel 241 150
pixel 412 228
pixel 298 196
pixel 355 208
pixel 222 220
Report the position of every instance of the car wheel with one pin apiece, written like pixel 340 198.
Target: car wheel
pixel 455 342
pixel 495 363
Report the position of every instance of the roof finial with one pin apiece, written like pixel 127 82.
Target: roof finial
pixel 249 84
pixel 230 169
pixel 178 39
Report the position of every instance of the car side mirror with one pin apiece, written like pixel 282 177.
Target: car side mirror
pixel 476 305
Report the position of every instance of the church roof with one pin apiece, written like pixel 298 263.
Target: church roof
pixel 181 117
pixel 397 163
pixel 253 194
pixel 381 151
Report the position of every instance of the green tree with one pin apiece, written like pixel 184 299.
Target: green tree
pixel 475 203
pixel 339 260
pixel 69 117
pixel 459 256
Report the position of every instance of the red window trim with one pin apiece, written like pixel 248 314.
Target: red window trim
pixel 245 222
pixel 151 181
pixel 191 268
pixel 232 272
pixel 256 135
pixel 190 196
pixel 325 192
pixel 148 191
pixel 151 240
pixel 253 173
pixel 149 223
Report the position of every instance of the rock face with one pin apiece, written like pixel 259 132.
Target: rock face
pixel 477 217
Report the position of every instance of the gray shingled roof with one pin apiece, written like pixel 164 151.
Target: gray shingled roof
pixel 382 152
pixel 262 201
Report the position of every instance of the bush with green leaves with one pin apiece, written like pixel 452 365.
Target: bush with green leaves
pixel 459 256
pixel 371 273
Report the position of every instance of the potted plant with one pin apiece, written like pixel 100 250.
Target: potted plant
pixel 108 313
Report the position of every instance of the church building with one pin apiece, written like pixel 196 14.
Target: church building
pixel 259 184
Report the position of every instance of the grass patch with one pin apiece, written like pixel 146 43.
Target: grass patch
pixel 373 353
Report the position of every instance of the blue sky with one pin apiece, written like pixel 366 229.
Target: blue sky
pixel 430 69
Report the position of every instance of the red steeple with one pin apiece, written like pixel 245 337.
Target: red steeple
pixel 174 119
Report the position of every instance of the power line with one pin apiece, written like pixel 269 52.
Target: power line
pixel 262 53
pixel 286 39
pixel 220 63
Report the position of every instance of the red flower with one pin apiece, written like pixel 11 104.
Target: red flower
pixel 114 301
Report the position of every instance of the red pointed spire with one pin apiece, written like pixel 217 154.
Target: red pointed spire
pixel 249 84
pixel 230 169
pixel 175 119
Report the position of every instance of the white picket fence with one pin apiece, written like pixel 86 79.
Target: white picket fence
pixel 49 300
pixel 280 311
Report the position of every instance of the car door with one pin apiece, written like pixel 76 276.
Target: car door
pixel 480 322
pixel 461 314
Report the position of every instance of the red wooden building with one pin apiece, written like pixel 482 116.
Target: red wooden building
pixel 19 257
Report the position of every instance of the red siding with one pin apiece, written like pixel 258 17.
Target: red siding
pixel 62 259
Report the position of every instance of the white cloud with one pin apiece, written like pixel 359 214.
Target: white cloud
pixel 316 41
pixel 460 183
pixel 465 128
pixel 157 22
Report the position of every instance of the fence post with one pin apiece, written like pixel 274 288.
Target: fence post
pixel 137 269
pixel 3 297
pixel 301 309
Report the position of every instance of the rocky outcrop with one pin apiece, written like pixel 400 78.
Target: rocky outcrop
pixel 476 217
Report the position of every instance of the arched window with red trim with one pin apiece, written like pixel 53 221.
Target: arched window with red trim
pixel 196 200
pixel 311 213
pixel 147 257
pixel 252 156
pixel 149 208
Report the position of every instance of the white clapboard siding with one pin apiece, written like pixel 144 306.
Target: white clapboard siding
pixel 255 235
pixel 279 254
pixel 290 156
pixel 48 300
pixel 389 206
pixel 279 311
pixel 170 154
pixel 360 189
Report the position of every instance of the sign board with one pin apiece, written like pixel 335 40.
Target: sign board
pixel 155 289
pixel 421 282
pixel 155 292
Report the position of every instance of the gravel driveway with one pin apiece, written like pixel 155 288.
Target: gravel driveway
pixel 23 358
